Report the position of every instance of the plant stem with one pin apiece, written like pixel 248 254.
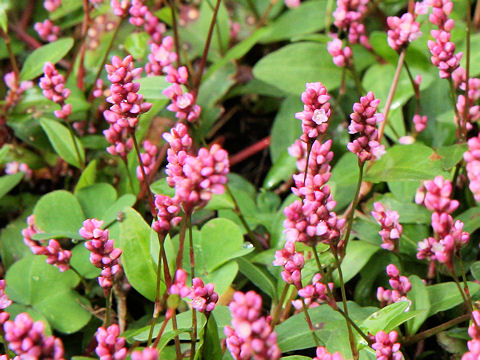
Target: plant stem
pixel 156 308
pixel 181 243
pixel 352 211
pixel 177 339
pixel 345 308
pixel 355 326
pixel 317 259
pixel 453 96
pixel 310 324
pixel 391 92
pixel 468 304
pixel 466 111
pixel 192 272
pixel 277 309
pixel 356 79
pixel 108 305
pixel 238 212
pixel 176 37
pixel 203 61
pixel 160 333
pixel 252 7
pixel 435 330
pixel 81 162
pixel 264 17
pixel 249 151
pixel 129 176
pixel 13 60
pixel 144 176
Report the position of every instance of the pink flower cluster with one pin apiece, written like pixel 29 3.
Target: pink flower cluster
pixel 472 160
pixel 52 5
pixel 316 111
pixel 110 345
pixel 103 255
pixel 183 103
pixel 47 30
pixel 167 214
pixel 460 83
pixel 364 121
pixel 323 354
pixel 292 3
pixel 120 7
pixel 56 256
pixel 161 56
pixel 386 347
pixel 140 15
pixel 292 262
pixel 145 354
pixel 251 334
pixel 148 159
pixel 27 339
pixel 442 49
pixel 53 86
pixel 473 352
pixel 15 89
pixel 5 302
pixel 400 287
pixel 127 104
pixel 299 150
pixel 15 167
pixel 449 236
pixel 317 293
pixel 348 18
pixel 194 178
pixel 402 31
pixel 391 228
pixel 420 122
pixel 204 298
pixel 342 56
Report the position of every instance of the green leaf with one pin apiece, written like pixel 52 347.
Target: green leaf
pixel 59 212
pixel 12 247
pixel 390 317
pixel 8 182
pixel 286 129
pixel 52 52
pixel 15 309
pixel 420 301
pixel 211 347
pixel 118 206
pixel 61 140
pixel 451 155
pixel 96 199
pixel 32 282
pixel 137 262
pixel 344 179
pixel 80 261
pixel 66 7
pixel 152 87
pixel 446 295
pixel 410 213
pixel 302 20
pixel 475 270
pixel 406 163
pixel 282 170
pixel 357 255
pixel 257 276
pixel 298 63
pixel 136 44
pixel 3 19
pixel 88 176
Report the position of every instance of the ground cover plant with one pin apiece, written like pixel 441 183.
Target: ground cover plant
pixel 240 179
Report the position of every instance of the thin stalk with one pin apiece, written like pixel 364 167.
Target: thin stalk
pixel 345 308
pixel 252 7
pixel 108 305
pixel 453 96
pixel 177 339
pixel 192 272
pixel 391 93
pixel 11 55
pixel 129 176
pixel 466 111
pixel 466 290
pixel 105 57
pixel 317 259
pixel 355 326
pixel 144 175
pixel 352 211
pixel 176 36
pixel 435 330
pixel 82 280
pixel 160 333
pixel 356 79
pixel 203 61
pixel 83 48
pixel 310 324
pixel 264 17
pixel 238 212
pixel 468 304
pixel 476 17
pixel 75 145
pixel 277 309
pixel 156 308
pixel 181 241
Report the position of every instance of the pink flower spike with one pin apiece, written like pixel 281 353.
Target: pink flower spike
pixel 179 287
pixel 386 347
pixel 145 354
pixel 402 31
pixel 391 228
pixel 323 354
pixel 109 345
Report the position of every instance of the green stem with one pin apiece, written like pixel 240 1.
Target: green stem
pixel 317 258
pixel 11 55
pixel 277 309
pixel 467 70
pixel 75 145
pixel 108 305
pixel 391 92
pixel 435 330
pixel 144 175
pixel 156 308
pixel 181 241
pixel 176 36
pixel 129 176
pixel 192 272
pixel 352 211
pixel 345 308
pixel 355 326
pixel 238 212
pixel 453 96
pixel 356 79
pixel 310 324
pixel 252 7
pixel 468 304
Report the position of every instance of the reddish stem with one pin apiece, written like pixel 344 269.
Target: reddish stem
pixel 250 151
